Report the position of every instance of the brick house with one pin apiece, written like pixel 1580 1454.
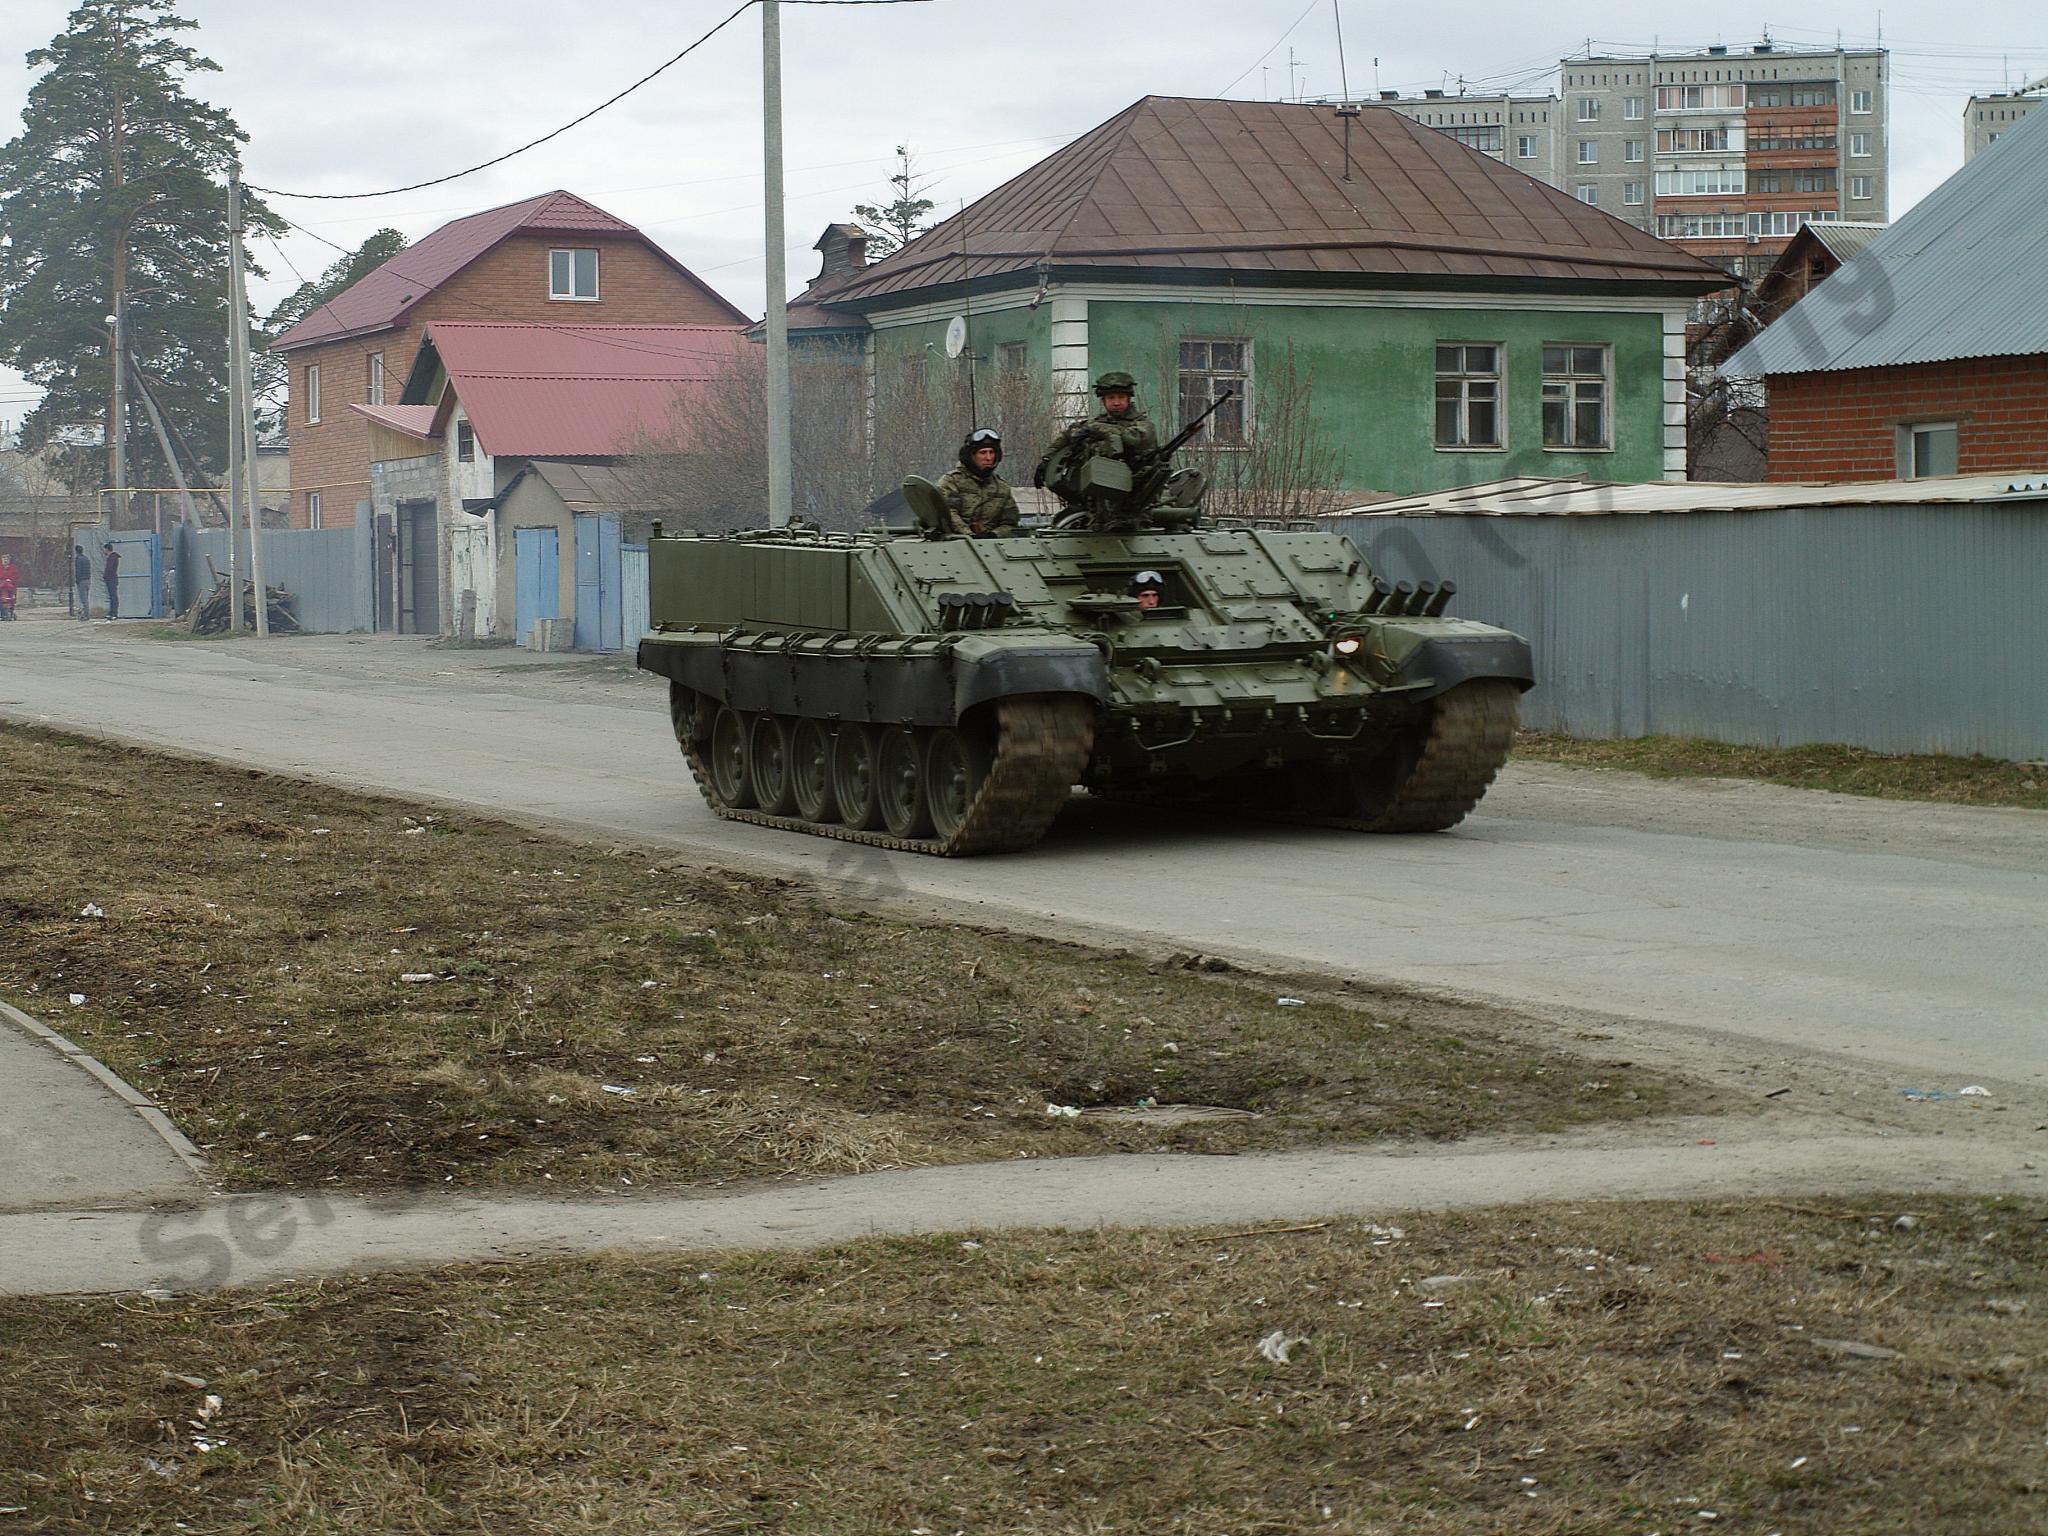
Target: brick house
pixel 1926 353
pixel 551 259
pixel 1440 317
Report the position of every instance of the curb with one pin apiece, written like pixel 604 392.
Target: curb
pixel 152 1114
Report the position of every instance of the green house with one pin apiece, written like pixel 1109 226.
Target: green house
pixel 1428 316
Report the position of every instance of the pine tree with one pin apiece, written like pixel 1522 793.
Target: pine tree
pixel 893 225
pixel 117 184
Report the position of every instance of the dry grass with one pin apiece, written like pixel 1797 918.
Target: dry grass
pixel 1549 1371
pixel 1844 770
pixel 247 956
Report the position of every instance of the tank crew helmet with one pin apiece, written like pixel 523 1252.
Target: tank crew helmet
pixel 1147 581
pixel 979 438
pixel 1116 381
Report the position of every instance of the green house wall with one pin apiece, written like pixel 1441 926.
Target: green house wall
pixel 1373 373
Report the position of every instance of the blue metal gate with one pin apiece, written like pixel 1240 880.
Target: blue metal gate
pixel 633 594
pixel 537 580
pixel 597 583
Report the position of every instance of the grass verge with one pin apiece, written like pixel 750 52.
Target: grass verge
pixel 1754 1368
pixel 326 988
pixel 1843 770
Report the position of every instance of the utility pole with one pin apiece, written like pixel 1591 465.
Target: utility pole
pixel 244 390
pixel 234 477
pixel 778 282
pixel 117 429
pixel 163 441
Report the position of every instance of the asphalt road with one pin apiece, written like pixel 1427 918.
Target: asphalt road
pixel 1907 938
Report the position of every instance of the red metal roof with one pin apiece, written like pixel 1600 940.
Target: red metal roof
pixel 384 297
pixel 1172 183
pixel 581 391
pixel 412 420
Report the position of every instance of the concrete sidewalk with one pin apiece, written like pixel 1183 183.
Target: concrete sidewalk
pixel 252 1240
pixel 73 1135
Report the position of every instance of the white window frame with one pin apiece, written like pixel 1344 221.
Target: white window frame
pixel 1859 189
pixel 1632 109
pixel 1573 390
pixel 1588 192
pixel 1632 194
pixel 312 394
pixel 1240 408
pixel 312 509
pixel 1909 447
pixel 1525 146
pixel 1632 151
pixel 1589 151
pixel 1466 382
pixel 374 395
pixel 1589 109
pixel 1862 102
pixel 562 283
pixel 1862 139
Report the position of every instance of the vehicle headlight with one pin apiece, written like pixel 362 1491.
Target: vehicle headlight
pixel 1348 645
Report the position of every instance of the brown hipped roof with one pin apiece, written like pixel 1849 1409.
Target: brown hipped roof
pixel 1257 189
pixel 382 298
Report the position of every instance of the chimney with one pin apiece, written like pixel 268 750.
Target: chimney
pixel 1390 95
pixel 844 248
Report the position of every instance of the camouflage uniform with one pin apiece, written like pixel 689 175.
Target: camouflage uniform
pixel 978 504
pixel 1129 437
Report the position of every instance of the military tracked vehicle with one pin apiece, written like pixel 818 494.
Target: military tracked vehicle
pixel 946 695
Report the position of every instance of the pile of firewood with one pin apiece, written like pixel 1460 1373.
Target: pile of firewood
pixel 209 616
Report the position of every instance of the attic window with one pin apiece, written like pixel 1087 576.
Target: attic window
pixel 572 275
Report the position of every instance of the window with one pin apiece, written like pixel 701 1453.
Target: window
pixel 1632 150
pixel 1699 226
pixel 1589 151
pixel 312 509
pixel 1797 136
pixel 1525 146
pixel 1487 138
pixel 465 442
pixel 1859 146
pixel 1632 108
pixel 1859 189
pixel 1715 183
pixel 1699 141
pixel 1587 193
pixel 1632 192
pixel 1574 397
pixel 376 393
pixel 1467 395
pixel 1698 98
pixel 1589 109
pixel 312 394
pixel 572 275
pixel 1012 357
pixel 1208 366
pixel 1859 102
pixel 1927 448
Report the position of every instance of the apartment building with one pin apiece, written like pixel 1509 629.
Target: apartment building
pixel 1520 131
pixel 1986 117
pixel 1727 151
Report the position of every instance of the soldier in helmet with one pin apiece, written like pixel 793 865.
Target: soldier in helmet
pixel 1119 430
pixel 978 500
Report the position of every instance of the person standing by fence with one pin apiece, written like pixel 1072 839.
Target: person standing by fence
pixel 81 578
pixel 110 577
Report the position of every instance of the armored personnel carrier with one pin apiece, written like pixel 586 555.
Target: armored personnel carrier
pixel 946 694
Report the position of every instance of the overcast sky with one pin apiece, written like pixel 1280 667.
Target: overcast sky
pixel 379 93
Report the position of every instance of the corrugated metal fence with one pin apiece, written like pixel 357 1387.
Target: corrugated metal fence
pixel 1899 628
pixel 328 572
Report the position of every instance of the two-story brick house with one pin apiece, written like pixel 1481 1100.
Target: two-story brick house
pixel 551 259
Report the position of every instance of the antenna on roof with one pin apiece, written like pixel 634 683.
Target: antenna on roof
pixel 1343 75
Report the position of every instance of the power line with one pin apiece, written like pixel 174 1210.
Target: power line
pixel 664 66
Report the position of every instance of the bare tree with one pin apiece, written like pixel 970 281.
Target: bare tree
pixel 1277 457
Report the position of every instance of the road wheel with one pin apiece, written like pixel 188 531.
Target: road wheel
pixel 689 712
pixel 956 764
pixel 810 771
pixel 899 776
pixel 768 764
pixel 730 780
pixel 856 779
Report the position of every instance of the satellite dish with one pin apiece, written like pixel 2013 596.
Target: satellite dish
pixel 956 336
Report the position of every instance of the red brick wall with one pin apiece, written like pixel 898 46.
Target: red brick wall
pixel 508 283
pixel 1844 426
